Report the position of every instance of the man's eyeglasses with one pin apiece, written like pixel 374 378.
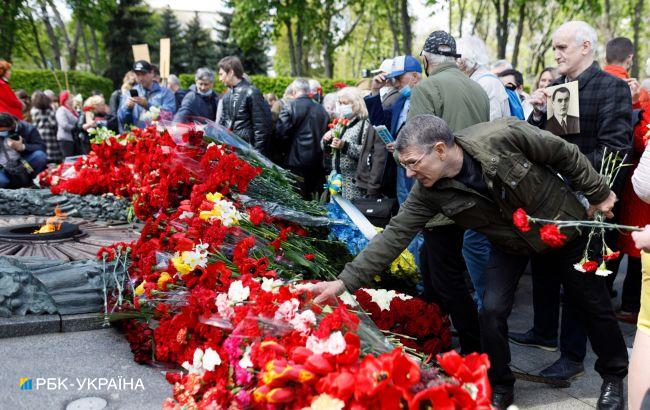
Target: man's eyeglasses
pixel 412 165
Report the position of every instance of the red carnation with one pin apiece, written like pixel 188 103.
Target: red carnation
pixel 521 220
pixel 590 266
pixel 612 256
pixel 551 236
pixel 309 256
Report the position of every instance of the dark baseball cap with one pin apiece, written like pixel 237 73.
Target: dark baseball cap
pixel 143 66
pixel 436 40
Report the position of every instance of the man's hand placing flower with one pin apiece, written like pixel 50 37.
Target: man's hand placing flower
pixel 324 291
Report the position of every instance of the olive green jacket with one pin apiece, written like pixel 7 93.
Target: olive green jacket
pixel 520 166
pixel 451 95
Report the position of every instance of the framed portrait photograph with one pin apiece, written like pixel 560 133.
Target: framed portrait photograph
pixel 563 109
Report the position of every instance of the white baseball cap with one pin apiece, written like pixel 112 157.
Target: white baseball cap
pixel 385 66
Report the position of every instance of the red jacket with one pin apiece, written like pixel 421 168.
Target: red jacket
pixel 633 211
pixel 9 102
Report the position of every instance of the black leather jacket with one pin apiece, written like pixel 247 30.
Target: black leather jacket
pixel 303 122
pixel 247 114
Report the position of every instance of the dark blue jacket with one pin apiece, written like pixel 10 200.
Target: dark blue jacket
pixel 378 116
pixel 31 137
pixel 195 105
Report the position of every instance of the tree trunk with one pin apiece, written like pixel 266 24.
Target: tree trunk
pixel 462 5
pixel 451 13
pixel 407 34
pixel 53 38
pixel 502 11
pixel 61 24
pixel 520 32
pixel 292 50
pixel 95 46
pixel 394 29
pixel 363 47
pixel 636 26
pixel 300 42
pixel 74 47
pixel 84 42
pixel 477 16
pixel 37 41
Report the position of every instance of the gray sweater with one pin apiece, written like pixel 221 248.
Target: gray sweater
pixel 66 122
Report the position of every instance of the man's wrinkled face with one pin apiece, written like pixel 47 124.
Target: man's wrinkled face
pixel 561 103
pixel 569 54
pixel 410 79
pixel 144 78
pixel 203 86
pixel 426 164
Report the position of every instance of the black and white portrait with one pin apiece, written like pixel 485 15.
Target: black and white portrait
pixel 562 109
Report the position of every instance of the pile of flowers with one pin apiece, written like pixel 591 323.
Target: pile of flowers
pixel 416 324
pixel 221 290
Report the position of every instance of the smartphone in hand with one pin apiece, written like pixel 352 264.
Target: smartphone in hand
pixel 133 92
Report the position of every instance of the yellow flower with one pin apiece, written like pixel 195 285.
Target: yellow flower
pixel 213 197
pixel 181 267
pixel 163 279
pixel 140 289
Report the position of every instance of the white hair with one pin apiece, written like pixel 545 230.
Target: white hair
pixel 581 32
pixel 502 63
pixel 172 79
pixel 204 74
pixel 473 51
pixel 435 59
pixel 300 86
pixel 314 85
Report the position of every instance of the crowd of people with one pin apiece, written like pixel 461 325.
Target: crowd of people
pixel 467 146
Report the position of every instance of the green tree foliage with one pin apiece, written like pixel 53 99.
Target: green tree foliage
pixel 129 24
pixel 199 49
pixel 9 23
pixel 253 57
pixel 168 26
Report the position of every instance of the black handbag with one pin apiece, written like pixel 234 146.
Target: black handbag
pixel 377 210
pixel 20 173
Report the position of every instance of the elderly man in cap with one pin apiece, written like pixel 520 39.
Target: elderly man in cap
pixel 133 109
pixel 405 73
pixel 388 93
pixel 451 95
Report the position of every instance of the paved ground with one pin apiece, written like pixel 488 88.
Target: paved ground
pixel 89 355
pixel 105 354
pixel 584 391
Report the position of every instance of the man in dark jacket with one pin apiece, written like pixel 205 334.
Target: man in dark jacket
pixel 303 122
pixel 22 152
pixel 244 110
pixel 605 106
pixel 203 101
pixel 477 178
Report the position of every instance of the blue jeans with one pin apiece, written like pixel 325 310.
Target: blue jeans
pixel 476 252
pixel 37 160
pixel 404 185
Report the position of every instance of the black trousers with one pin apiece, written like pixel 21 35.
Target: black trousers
pixel 546 305
pixel 313 181
pixel 586 292
pixel 631 298
pixel 446 282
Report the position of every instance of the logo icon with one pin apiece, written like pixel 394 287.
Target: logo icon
pixel 25 383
